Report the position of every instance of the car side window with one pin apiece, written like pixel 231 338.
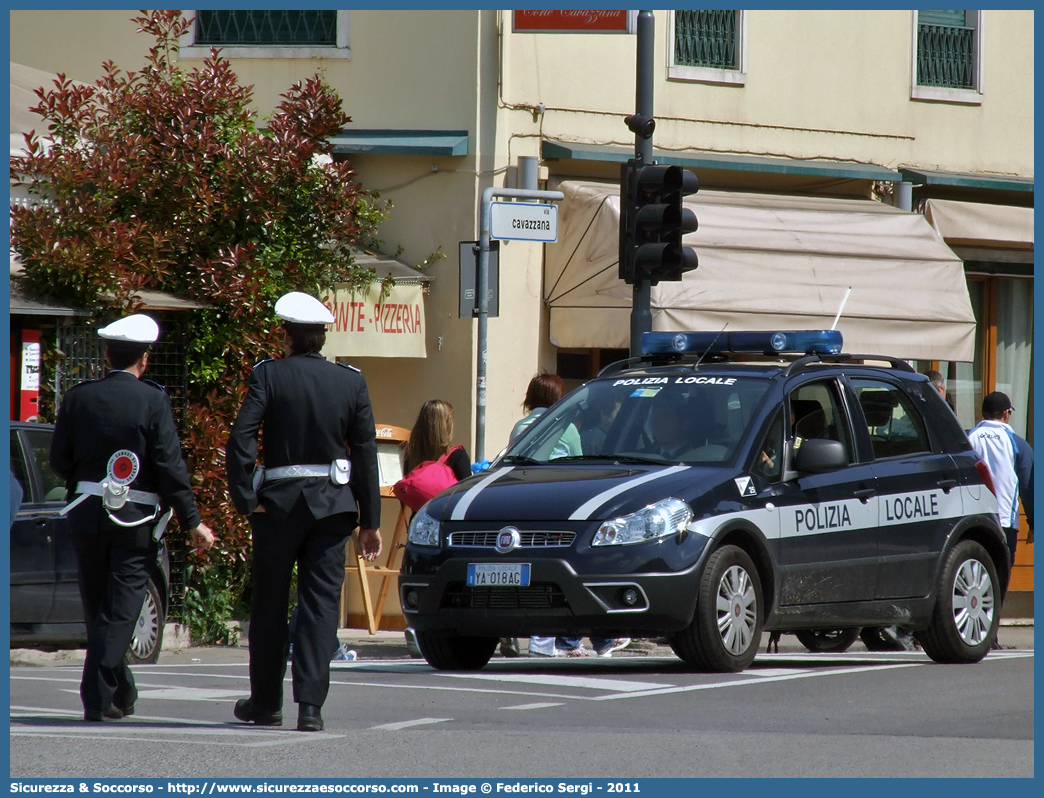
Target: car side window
pixel 38 443
pixel 816 412
pixel 18 467
pixel 896 427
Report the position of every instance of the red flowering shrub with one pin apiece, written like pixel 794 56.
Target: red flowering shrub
pixel 161 179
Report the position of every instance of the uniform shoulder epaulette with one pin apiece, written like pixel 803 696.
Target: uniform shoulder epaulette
pixel 154 384
pixel 262 362
pixel 345 365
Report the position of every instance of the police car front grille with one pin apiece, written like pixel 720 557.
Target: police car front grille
pixel 528 539
pixel 538 596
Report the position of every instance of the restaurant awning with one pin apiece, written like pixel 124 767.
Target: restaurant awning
pixel 978 224
pixel 767 262
pixel 26 305
pixel 370 324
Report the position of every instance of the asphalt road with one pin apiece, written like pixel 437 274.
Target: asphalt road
pixel 791 714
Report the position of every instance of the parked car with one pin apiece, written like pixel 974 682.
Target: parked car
pixel 730 484
pixel 45 598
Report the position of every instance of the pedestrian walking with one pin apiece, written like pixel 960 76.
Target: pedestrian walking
pixel 1010 460
pixel 116 446
pixel 318 483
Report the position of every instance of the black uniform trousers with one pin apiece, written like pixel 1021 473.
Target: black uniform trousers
pixel 317 546
pixel 114 567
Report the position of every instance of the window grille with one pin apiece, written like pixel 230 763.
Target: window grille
pixel 706 39
pixel 279 28
pixel 946 49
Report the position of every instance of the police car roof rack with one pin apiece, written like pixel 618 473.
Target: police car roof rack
pixel 846 357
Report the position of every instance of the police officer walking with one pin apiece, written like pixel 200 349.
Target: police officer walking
pixel 319 482
pixel 116 446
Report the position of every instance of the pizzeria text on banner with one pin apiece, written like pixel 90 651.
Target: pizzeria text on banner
pixel 367 325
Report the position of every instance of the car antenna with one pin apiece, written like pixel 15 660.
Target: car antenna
pixel 696 365
pixel 843 301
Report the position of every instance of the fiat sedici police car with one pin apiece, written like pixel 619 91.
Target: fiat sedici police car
pixel 727 484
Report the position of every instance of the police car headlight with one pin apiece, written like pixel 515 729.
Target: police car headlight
pixel 659 520
pixel 424 530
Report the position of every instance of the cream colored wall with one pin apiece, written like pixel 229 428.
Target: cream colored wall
pixel 820 84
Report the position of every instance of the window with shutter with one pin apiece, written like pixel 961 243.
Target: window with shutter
pixel 946 49
pixel 947 56
pixel 707 46
pixel 267 34
pixel 290 28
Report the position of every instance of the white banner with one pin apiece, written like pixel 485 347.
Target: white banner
pixel 365 325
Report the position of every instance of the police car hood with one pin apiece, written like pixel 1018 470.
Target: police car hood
pixel 511 494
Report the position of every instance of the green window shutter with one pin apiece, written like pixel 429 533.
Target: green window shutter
pixel 272 28
pixel 946 42
pixel 954 19
pixel 706 39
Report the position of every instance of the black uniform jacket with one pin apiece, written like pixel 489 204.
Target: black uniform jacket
pixel 99 418
pixel 309 412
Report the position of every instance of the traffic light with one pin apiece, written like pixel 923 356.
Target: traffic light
pixel 653 220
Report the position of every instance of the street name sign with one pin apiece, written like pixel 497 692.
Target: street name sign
pixel 524 221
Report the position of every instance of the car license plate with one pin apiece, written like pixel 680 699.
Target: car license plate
pixel 510 574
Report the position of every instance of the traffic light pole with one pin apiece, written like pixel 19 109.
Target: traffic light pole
pixel 641 314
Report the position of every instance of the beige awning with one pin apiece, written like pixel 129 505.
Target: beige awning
pixel 976 224
pixel 767 262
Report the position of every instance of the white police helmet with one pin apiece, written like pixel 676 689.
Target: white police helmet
pixel 302 309
pixel 136 329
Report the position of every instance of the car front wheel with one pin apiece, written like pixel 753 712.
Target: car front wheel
pixel 456 653
pixel 148 631
pixel 725 631
pixel 967 607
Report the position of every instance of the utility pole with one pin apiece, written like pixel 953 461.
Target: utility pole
pixel 641 315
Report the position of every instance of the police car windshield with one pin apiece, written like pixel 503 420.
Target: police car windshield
pixel 696 419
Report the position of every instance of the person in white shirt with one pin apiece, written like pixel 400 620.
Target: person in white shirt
pixel 1010 460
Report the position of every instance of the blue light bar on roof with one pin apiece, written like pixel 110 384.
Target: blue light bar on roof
pixel 819 342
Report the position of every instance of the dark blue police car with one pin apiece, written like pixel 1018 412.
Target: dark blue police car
pixel 725 484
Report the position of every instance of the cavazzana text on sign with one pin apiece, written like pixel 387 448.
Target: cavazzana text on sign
pixel 524 221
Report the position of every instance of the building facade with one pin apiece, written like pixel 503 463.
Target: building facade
pixel 898 143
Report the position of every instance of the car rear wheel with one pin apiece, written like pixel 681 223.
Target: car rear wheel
pixel 148 631
pixel 967 610
pixel 827 641
pixel 725 631
pixel 456 653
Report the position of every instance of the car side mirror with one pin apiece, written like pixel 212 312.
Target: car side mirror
pixel 817 456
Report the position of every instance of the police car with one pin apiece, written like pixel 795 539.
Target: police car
pixel 725 484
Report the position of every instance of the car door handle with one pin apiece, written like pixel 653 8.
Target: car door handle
pixel 947 484
pixel 41 521
pixel 864 494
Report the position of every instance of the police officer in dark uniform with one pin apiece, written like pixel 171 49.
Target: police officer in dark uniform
pixel 318 483
pixel 116 445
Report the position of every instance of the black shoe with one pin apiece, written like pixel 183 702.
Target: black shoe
pixel 308 718
pixel 248 713
pixel 98 715
pixel 126 710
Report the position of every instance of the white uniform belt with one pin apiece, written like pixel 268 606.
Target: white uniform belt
pixel 136 496
pixel 296 471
